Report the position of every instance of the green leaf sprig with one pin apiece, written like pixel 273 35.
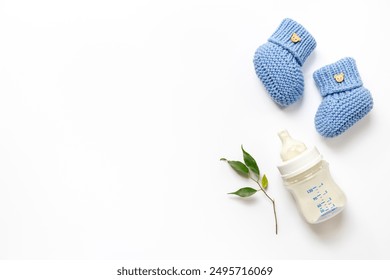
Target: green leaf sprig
pixel 251 170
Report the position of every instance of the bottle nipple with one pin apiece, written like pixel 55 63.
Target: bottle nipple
pixel 290 147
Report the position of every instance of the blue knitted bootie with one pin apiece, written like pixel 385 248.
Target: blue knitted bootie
pixel 345 101
pixel 278 62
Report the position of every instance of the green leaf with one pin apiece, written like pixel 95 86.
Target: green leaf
pixel 244 192
pixel 250 162
pixel 264 182
pixel 239 167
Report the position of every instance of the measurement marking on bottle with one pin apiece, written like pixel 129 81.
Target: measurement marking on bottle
pixel 326 205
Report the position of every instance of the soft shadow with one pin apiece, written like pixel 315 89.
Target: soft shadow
pixel 295 107
pixel 269 99
pixel 330 228
pixel 327 230
pixel 309 62
pixel 245 200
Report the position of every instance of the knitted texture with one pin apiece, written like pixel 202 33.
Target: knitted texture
pixel 278 62
pixel 345 101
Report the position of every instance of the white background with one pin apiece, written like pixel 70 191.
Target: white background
pixel 114 114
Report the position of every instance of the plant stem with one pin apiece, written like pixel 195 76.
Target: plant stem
pixel 273 204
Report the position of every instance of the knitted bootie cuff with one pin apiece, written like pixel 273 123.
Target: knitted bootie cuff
pixel 337 77
pixel 295 38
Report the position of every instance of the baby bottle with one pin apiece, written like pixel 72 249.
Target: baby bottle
pixel 306 175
